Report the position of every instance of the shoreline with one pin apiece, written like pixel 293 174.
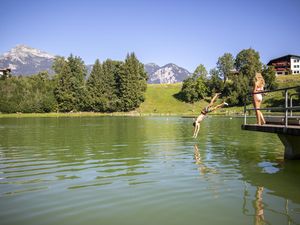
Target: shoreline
pixel 98 114
pixel 119 114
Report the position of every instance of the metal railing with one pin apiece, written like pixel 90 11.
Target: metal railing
pixel 284 109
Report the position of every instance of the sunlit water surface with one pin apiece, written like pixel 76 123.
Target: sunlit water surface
pixel 143 170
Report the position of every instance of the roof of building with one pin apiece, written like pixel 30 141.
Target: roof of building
pixel 5 69
pixel 286 57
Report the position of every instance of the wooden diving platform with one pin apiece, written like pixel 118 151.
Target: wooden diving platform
pixel 289 136
pixel 287 127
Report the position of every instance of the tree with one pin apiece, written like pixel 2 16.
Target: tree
pixel 63 92
pixel 11 94
pixel 110 75
pixel 27 94
pixel 70 91
pixel 247 62
pixel 225 65
pixel 132 81
pixel 78 74
pixel 101 87
pixel 194 87
pixel 215 83
pixel 237 89
pixel 95 87
pixel 269 75
pixel 200 71
pixel 40 97
pixel 188 91
pixel 58 64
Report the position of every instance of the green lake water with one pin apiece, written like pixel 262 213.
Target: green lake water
pixel 143 170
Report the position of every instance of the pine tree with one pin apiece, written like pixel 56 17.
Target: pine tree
pixel 78 74
pixel 101 87
pixel 63 92
pixel 132 83
pixel 94 87
pixel 70 91
pixel 110 87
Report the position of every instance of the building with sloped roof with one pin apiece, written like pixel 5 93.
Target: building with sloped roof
pixel 288 64
pixel 5 73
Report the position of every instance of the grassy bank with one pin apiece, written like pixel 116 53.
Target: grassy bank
pixel 160 100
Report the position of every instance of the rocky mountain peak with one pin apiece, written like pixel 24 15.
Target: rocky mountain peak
pixel 21 52
pixel 169 73
pixel 24 60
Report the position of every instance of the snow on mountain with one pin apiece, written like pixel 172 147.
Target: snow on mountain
pixel 167 74
pixel 24 60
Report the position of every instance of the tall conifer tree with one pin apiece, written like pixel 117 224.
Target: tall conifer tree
pixel 102 87
pixel 70 91
pixel 133 83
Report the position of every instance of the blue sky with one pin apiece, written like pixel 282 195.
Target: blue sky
pixel 187 33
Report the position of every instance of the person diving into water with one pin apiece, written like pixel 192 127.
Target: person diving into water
pixel 209 108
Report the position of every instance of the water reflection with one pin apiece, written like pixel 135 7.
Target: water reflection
pixel 260 209
pixel 203 169
pixel 259 206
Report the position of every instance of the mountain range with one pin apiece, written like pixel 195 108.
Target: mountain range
pixel 24 60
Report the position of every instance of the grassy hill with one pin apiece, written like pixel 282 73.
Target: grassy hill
pixel 160 99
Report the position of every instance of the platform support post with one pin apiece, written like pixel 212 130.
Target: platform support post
pixel 292 146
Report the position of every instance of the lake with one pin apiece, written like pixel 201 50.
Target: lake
pixel 143 170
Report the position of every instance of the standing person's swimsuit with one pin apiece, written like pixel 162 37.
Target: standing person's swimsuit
pixel 258 96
